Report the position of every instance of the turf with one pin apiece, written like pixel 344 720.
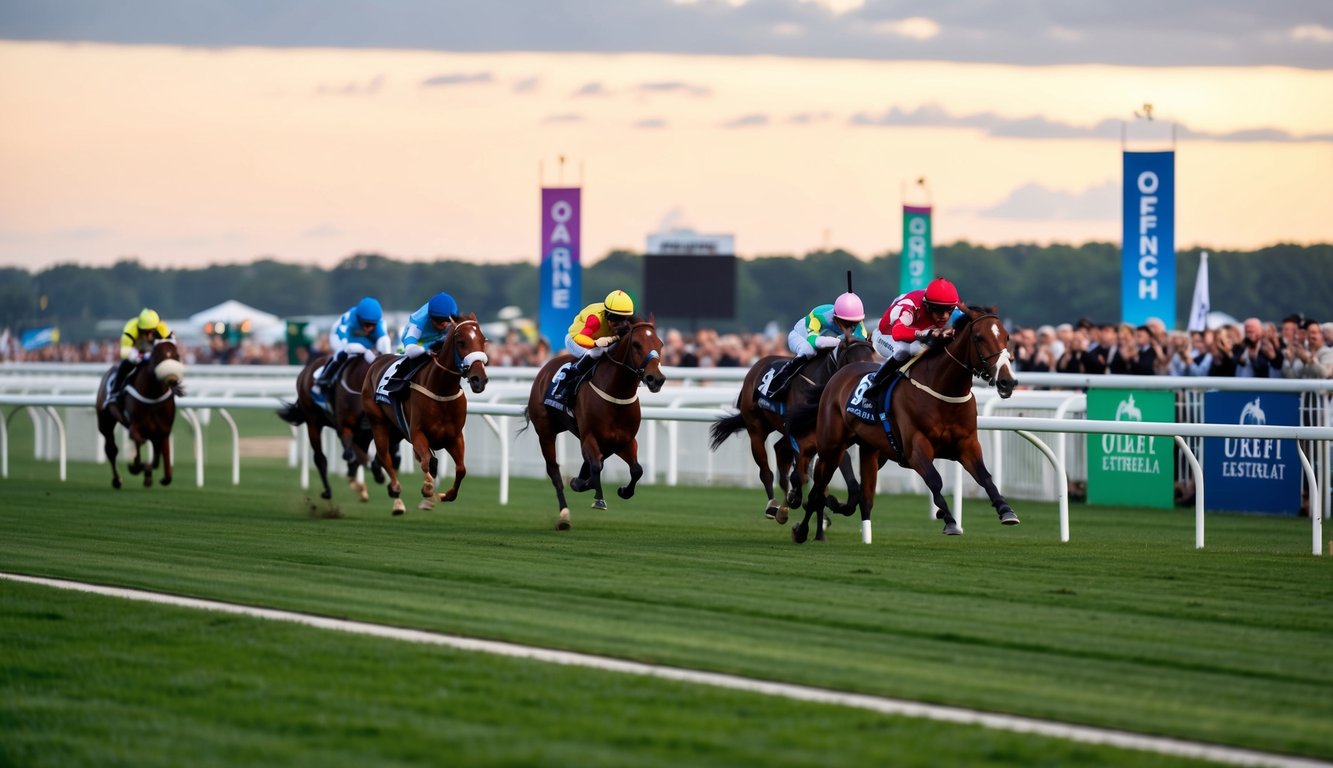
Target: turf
pixel 1125 626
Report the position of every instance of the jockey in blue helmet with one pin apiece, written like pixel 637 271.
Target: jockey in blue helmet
pixel 425 328
pixel 359 331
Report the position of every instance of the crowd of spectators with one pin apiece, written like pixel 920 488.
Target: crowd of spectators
pixel 1297 347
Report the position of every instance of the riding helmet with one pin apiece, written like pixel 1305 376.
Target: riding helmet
pixel 942 293
pixel 848 307
pixel 148 320
pixel 442 305
pixel 619 303
pixel 368 310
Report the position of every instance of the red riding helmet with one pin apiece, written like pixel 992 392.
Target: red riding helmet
pixel 941 295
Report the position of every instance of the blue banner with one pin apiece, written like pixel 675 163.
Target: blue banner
pixel 560 269
pixel 1251 474
pixel 1148 239
pixel 39 337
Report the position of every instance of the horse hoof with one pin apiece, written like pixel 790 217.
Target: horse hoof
pixel 624 492
pixel 326 495
pixel 952 529
pixel 115 483
pixel 599 503
pixel 399 507
pixel 448 496
pixel 799 533
pixel 771 513
pixel 563 523
pixel 1008 517
pixel 427 504
pixel 781 517
pixel 577 485
pixel 166 481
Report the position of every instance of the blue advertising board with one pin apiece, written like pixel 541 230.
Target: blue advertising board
pixel 1148 239
pixel 1252 474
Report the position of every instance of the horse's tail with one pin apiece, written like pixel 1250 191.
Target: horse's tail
pixel 725 427
pixel 802 416
pixel 527 422
pixel 292 414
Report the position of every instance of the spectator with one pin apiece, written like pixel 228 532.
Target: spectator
pixel 1314 358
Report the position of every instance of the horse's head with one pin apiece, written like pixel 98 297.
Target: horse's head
pixel 640 350
pixel 983 346
pixel 165 360
pixel 466 344
pixel 853 350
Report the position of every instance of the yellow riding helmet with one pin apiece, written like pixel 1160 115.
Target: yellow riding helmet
pixel 619 303
pixel 148 320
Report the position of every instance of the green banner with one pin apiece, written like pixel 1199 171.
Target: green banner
pixel 1131 470
pixel 918 261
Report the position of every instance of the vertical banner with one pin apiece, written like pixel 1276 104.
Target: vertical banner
pixel 917 267
pixel 1131 470
pixel 1148 239
pixel 1252 474
pixel 560 269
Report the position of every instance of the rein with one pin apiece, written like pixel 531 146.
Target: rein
pixel 458 359
pixel 134 393
pixel 984 371
pixel 623 363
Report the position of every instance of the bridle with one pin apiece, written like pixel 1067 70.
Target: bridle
pixel 984 370
pixel 451 341
pixel 640 370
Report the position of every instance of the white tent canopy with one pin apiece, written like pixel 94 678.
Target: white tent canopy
pixel 264 327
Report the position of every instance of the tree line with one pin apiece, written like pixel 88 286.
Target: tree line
pixel 1030 284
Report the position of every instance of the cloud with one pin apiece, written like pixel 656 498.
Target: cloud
pixel 456 78
pixel 593 88
pixel 369 88
pixel 1295 33
pixel 527 85
pixel 651 123
pixel 1039 127
pixel 564 117
pixel 753 120
pixel 673 220
pixel 675 87
pixel 809 118
pixel 1034 202
pixel 322 231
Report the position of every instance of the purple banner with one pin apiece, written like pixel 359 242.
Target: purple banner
pixel 560 269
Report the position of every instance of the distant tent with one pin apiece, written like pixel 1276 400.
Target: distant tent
pixel 264 327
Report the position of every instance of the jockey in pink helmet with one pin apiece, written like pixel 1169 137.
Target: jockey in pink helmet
pixel 912 321
pixel 823 328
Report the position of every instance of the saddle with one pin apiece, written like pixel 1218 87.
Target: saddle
pixel 877 410
pixel 553 399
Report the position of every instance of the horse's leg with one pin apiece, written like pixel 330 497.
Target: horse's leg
pixel 865 496
pixel 854 490
pixel 137 440
pixel 455 449
pixel 547 443
pixel 313 430
pixel 579 483
pixel 630 455
pixel 592 456
pixel 107 426
pixel 759 452
pixel 165 454
pixel 430 465
pixel 922 460
pixel 814 503
pixel 971 460
pixel 391 468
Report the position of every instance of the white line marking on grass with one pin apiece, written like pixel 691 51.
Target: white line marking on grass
pixel 881 704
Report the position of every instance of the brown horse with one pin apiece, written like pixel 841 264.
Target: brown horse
pixel 434 409
pixel 760 422
pixel 606 412
pixel 147 407
pixel 933 414
pixel 341 410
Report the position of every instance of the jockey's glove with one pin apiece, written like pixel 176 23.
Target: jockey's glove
pixel 414 350
pixel 369 355
pixel 605 341
pixel 827 342
pixel 355 348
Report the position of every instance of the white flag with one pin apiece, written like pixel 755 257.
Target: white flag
pixel 1200 308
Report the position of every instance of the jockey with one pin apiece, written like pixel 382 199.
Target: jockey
pixel 912 321
pixel 823 328
pixel 425 327
pixel 359 331
pixel 136 344
pixel 594 329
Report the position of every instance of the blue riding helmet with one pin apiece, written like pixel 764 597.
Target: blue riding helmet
pixel 368 310
pixel 442 305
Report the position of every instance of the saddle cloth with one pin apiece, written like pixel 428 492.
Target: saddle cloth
pixel 559 376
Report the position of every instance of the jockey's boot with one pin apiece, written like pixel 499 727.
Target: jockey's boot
pixel 327 376
pixel 881 379
pixel 116 385
pixel 777 388
pixel 401 380
pixel 569 383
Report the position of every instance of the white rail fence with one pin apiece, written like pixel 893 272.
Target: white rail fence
pixel 673 444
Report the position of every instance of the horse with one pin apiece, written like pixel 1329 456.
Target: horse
pixel 605 412
pixel 933 414
pixel 340 409
pixel 147 407
pixel 432 412
pixel 760 422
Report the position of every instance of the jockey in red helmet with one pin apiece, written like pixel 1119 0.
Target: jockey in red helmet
pixel 912 321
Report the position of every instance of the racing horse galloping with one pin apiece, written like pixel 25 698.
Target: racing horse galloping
pixel 433 410
pixel 147 408
pixel 794 449
pixel 605 409
pixel 932 414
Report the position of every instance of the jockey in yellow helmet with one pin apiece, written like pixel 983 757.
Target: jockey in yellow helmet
pixel 594 329
pixel 136 343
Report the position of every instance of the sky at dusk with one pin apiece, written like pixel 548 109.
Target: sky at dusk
pixel 183 135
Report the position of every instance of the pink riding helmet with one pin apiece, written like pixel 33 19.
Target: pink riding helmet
pixel 848 307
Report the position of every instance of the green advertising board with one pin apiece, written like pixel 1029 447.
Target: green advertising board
pixel 917 266
pixel 1131 470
